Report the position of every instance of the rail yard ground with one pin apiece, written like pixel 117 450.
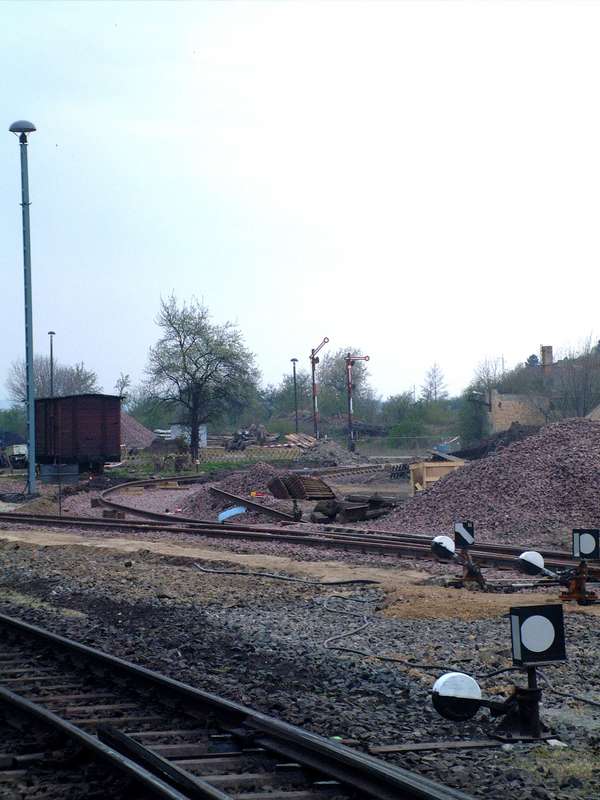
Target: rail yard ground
pixel 263 642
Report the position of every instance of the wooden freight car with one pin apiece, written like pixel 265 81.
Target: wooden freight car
pixel 82 429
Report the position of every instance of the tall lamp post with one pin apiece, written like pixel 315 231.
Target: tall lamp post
pixel 294 362
pixel 350 359
pixel 51 334
pixel 314 360
pixel 21 128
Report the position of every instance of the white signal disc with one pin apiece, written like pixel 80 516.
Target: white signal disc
pixel 587 543
pixel 457 684
pixel 537 633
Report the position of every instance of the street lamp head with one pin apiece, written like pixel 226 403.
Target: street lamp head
pixel 22 126
pixel 294 360
pixel 51 333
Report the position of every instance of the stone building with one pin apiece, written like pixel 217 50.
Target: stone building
pixel 508 408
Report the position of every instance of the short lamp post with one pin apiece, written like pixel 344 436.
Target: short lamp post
pixel 21 128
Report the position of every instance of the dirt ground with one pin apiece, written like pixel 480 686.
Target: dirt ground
pixel 406 594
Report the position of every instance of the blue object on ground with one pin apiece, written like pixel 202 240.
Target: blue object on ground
pixel 231 512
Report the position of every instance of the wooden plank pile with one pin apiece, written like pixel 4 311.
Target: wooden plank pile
pixel 301 440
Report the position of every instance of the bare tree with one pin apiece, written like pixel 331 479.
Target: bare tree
pixel 434 388
pixel 575 380
pixel 74 379
pixel 201 368
pixel 122 384
pixel 488 374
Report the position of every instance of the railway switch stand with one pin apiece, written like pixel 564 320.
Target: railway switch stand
pixel 444 550
pixel 537 634
pixel 574 580
pixel 458 697
pixel 575 583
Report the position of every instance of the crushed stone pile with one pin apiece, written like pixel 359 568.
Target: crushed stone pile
pixel 134 434
pixel 328 453
pixel 250 480
pixel 204 505
pixel 530 493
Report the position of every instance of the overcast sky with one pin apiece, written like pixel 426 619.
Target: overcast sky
pixel 420 180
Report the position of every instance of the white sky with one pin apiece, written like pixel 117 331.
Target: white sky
pixel 419 179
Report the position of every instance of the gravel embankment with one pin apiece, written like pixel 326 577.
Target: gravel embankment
pixel 261 643
pixel 531 493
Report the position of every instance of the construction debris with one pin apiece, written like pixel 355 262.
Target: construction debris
pixel 301 440
pixel 327 453
pixel 300 487
pixel 349 510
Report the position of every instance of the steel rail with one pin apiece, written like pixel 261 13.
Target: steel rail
pixel 113 758
pixel 400 545
pixel 353 769
pixel 267 510
pixel 560 557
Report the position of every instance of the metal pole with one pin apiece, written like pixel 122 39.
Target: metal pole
pixel 315 403
pixel 51 335
pixel 315 389
pixel 350 409
pixel 294 360
pixel 350 359
pixel 28 318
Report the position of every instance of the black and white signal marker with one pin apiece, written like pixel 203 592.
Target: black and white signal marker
pixel 538 635
pixel 464 534
pixel 586 543
pixel 443 548
pixel 456 696
pixel 532 563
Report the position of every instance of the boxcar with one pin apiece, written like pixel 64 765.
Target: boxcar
pixel 82 429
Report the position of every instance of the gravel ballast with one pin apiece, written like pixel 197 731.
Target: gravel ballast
pixel 261 643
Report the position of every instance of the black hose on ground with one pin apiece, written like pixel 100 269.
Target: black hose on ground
pixel 275 577
pixel 366 622
pixel 569 696
pixel 365 653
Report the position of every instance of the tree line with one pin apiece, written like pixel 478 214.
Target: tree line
pixel 200 371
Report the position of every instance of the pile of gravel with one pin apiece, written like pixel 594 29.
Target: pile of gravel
pixel 327 453
pixel 134 434
pixel 202 503
pixel 532 492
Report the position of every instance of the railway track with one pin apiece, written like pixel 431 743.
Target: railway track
pixel 358 540
pixel 119 730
